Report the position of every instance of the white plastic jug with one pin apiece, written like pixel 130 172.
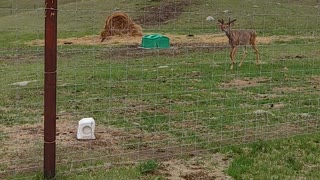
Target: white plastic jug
pixel 86 129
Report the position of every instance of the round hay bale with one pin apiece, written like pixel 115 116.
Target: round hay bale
pixel 120 24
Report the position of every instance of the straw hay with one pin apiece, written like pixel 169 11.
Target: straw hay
pixel 120 24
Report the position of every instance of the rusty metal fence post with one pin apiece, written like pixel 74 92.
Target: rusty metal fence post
pixel 50 80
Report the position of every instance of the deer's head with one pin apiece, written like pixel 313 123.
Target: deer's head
pixel 225 26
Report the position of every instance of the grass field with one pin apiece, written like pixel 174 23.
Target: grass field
pixel 176 113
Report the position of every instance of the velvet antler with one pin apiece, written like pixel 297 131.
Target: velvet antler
pixel 230 22
pixel 221 21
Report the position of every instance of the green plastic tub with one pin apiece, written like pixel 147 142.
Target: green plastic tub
pixel 155 41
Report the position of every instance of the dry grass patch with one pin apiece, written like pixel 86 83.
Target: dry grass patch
pixel 245 82
pixel 214 39
pixel 198 167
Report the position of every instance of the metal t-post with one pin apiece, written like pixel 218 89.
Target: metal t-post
pixel 50 81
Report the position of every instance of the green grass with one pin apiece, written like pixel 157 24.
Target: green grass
pixel 289 158
pixel 148 166
pixel 79 18
pixel 281 159
pixel 190 96
pixel 128 172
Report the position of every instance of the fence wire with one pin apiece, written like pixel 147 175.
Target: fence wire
pixel 155 103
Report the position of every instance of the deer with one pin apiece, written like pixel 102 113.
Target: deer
pixel 239 38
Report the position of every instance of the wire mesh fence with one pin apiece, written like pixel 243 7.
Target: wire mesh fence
pixel 155 103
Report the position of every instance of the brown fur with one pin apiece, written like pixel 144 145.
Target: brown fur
pixel 239 38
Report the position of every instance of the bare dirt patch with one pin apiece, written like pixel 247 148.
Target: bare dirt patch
pixel 315 81
pixel 166 11
pixel 245 82
pixel 196 168
pixel 22 149
pixel 287 89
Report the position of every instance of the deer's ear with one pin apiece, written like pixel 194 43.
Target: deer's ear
pixel 220 21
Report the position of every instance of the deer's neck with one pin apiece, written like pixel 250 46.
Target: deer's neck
pixel 228 32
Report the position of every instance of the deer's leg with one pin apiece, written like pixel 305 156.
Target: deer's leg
pixel 232 56
pixel 257 53
pixel 244 55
